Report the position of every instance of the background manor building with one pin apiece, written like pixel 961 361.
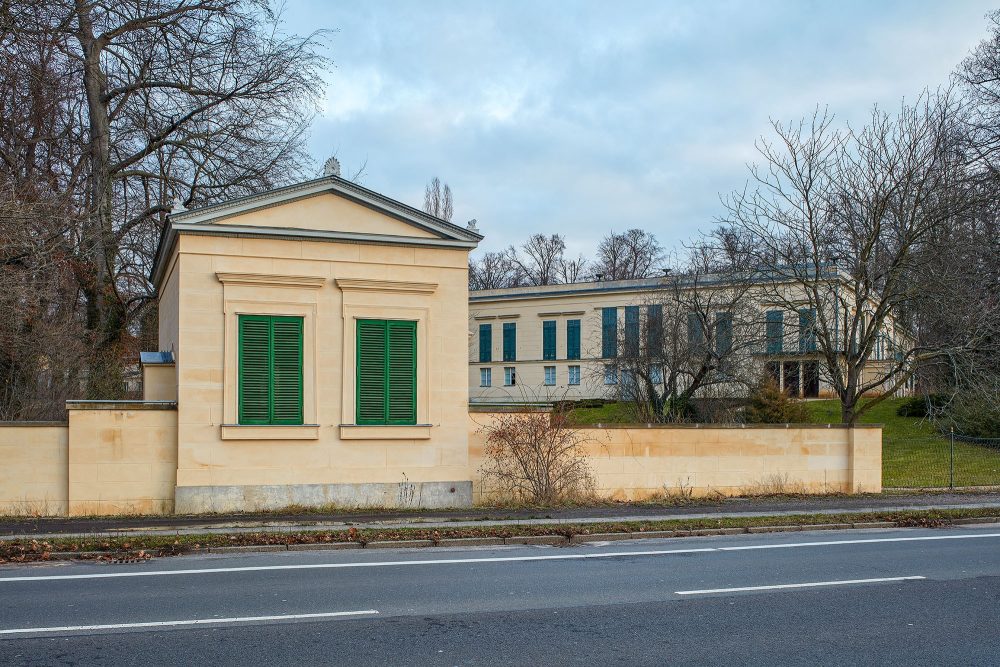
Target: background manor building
pixel 556 342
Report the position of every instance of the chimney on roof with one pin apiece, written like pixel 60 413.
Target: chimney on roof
pixel 332 167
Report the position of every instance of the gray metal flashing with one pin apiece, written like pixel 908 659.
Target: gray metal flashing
pixel 156 358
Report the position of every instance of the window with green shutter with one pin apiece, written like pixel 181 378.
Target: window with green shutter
pixel 270 370
pixel 573 339
pixel 485 343
pixel 387 372
pixel 609 333
pixel 510 341
pixel 549 340
pixel 775 331
pixel 631 331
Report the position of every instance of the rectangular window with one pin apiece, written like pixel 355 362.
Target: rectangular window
pixel 656 374
pixel 550 376
pixel 549 340
pixel 485 343
pixel 387 372
pixel 775 331
pixel 573 339
pixel 723 334
pixel 270 370
pixel 610 375
pixel 485 377
pixel 609 333
pixel 654 331
pixel 509 376
pixel 632 331
pixel 574 375
pixel 807 330
pixel 510 341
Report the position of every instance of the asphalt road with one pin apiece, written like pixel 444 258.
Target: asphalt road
pixel 902 597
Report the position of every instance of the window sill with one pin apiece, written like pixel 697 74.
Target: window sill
pixel 385 432
pixel 263 432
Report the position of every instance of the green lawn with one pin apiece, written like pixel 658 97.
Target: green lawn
pixel 914 454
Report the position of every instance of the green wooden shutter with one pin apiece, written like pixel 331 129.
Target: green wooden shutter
pixel 549 340
pixel 286 370
pixel 402 373
pixel 254 369
pixel 371 381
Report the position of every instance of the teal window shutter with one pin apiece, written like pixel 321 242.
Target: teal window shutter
pixel 696 335
pixel 775 332
pixel 723 333
pixel 654 331
pixel 510 341
pixel 609 333
pixel 485 342
pixel 270 370
pixel 386 372
pixel 632 331
pixel 573 339
pixel 549 340
pixel 807 330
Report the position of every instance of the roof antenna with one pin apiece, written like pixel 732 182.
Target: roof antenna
pixel 332 167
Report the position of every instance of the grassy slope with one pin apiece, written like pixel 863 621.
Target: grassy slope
pixel 913 454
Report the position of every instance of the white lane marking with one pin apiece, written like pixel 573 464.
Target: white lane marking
pixel 197 621
pixel 842 582
pixel 793 545
pixel 459 561
pixel 329 566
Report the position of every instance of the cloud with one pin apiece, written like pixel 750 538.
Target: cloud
pixel 579 118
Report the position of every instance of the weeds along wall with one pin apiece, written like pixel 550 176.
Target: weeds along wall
pixel 638 462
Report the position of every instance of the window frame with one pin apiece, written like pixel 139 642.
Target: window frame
pixel 487 375
pixel 569 379
pixel 549 372
pixel 509 376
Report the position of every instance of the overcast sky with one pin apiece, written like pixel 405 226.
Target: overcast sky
pixel 578 118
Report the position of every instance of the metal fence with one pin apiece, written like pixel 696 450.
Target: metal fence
pixel 945 461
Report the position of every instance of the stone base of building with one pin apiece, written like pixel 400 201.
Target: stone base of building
pixel 427 495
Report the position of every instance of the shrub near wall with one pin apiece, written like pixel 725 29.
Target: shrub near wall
pixel 635 462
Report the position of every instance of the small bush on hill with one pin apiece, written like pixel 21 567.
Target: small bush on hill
pixel 770 405
pixel 920 406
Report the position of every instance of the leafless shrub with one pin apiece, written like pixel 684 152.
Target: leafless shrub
pixel 535 456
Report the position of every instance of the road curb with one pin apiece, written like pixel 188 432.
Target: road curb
pixel 521 540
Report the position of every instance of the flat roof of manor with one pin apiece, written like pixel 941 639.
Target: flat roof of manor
pixel 612 286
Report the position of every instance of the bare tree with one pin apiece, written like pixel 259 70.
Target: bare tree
pixel 195 101
pixel 572 270
pixel 693 337
pixel 835 223
pixel 536 456
pixel 438 200
pixel 492 270
pixel 630 255
pixel 538 259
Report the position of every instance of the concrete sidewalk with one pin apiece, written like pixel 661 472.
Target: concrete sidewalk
pixel 484 517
